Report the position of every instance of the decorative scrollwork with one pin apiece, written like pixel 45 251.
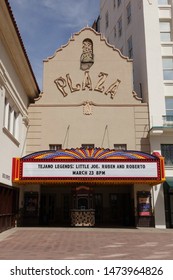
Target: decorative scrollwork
pixel 87 57
pixel 87 110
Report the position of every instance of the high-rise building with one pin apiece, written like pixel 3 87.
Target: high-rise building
pixel 143 31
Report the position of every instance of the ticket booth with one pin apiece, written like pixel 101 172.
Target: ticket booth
pixel 83 213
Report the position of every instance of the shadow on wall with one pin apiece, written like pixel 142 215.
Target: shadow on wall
pixel 145 145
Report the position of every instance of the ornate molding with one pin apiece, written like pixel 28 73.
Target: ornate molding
pixel 136 96
pixel 102 38
pixel 93 153
pixel 90 103
pixel 87 56
pixel 87 109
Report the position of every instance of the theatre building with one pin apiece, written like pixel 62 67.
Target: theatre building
pixel 88 160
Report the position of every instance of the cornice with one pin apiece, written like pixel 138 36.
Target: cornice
pixel 51 105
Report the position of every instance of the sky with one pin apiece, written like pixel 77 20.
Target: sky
pixel 46 25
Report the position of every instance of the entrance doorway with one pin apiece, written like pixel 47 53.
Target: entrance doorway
pixel 9 201
pixel 111 205
pixel 98 206
pixel 47 209
pixel 171 210
pixel 120 209
pixel 168 195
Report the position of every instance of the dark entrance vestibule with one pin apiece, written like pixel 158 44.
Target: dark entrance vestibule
pixel 112 205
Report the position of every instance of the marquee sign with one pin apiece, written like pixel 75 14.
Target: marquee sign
pixel 91 165
pixel 89 169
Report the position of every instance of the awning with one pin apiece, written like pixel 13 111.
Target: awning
pixel 169 181
pixel 95 165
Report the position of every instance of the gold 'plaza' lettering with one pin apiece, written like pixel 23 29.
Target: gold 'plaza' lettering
pixel 69 81
pixel 87 83
pixel 99 87
pixel 64 84
pixel 113 88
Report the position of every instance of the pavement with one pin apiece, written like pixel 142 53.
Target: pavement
pixel 86 244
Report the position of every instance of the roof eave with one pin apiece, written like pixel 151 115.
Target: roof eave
pixel 15 47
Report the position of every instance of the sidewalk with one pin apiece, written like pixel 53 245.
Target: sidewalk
pixel 86 243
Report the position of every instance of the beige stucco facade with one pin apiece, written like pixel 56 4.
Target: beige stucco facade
pixel 87 99
pixel 94 105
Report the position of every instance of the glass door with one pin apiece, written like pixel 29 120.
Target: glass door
pixel 98 206
pixel 47 209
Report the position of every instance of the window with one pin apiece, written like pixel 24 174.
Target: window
pixel 87 56
pixel 168 119
pixel 167 68
pixel 9 122
pixel 169 106
pixel 107 20
pixel 163 2
pixel 120 27
pixel 87 146
pixel 119 2
pixel 120 146
pixel 55 147
pixel 165 31
pixel 10 119
pixel 115 31
pixel 128 9
pixel 167 153
pixel 15 121
pixel 130 47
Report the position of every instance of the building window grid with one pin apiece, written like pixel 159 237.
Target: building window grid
pixel 87 146
pixel 115 31
pixel 120 27
pixel 167 153
pixel 130 47
pixel 15 122
pixel 107 20
pixel 169 106
pixel 6 109
pixel 163 2
pixel 119 2
pixel 120 146
pixel 11 119
pixel 165 31
pixel 167 68
pixel 55 147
